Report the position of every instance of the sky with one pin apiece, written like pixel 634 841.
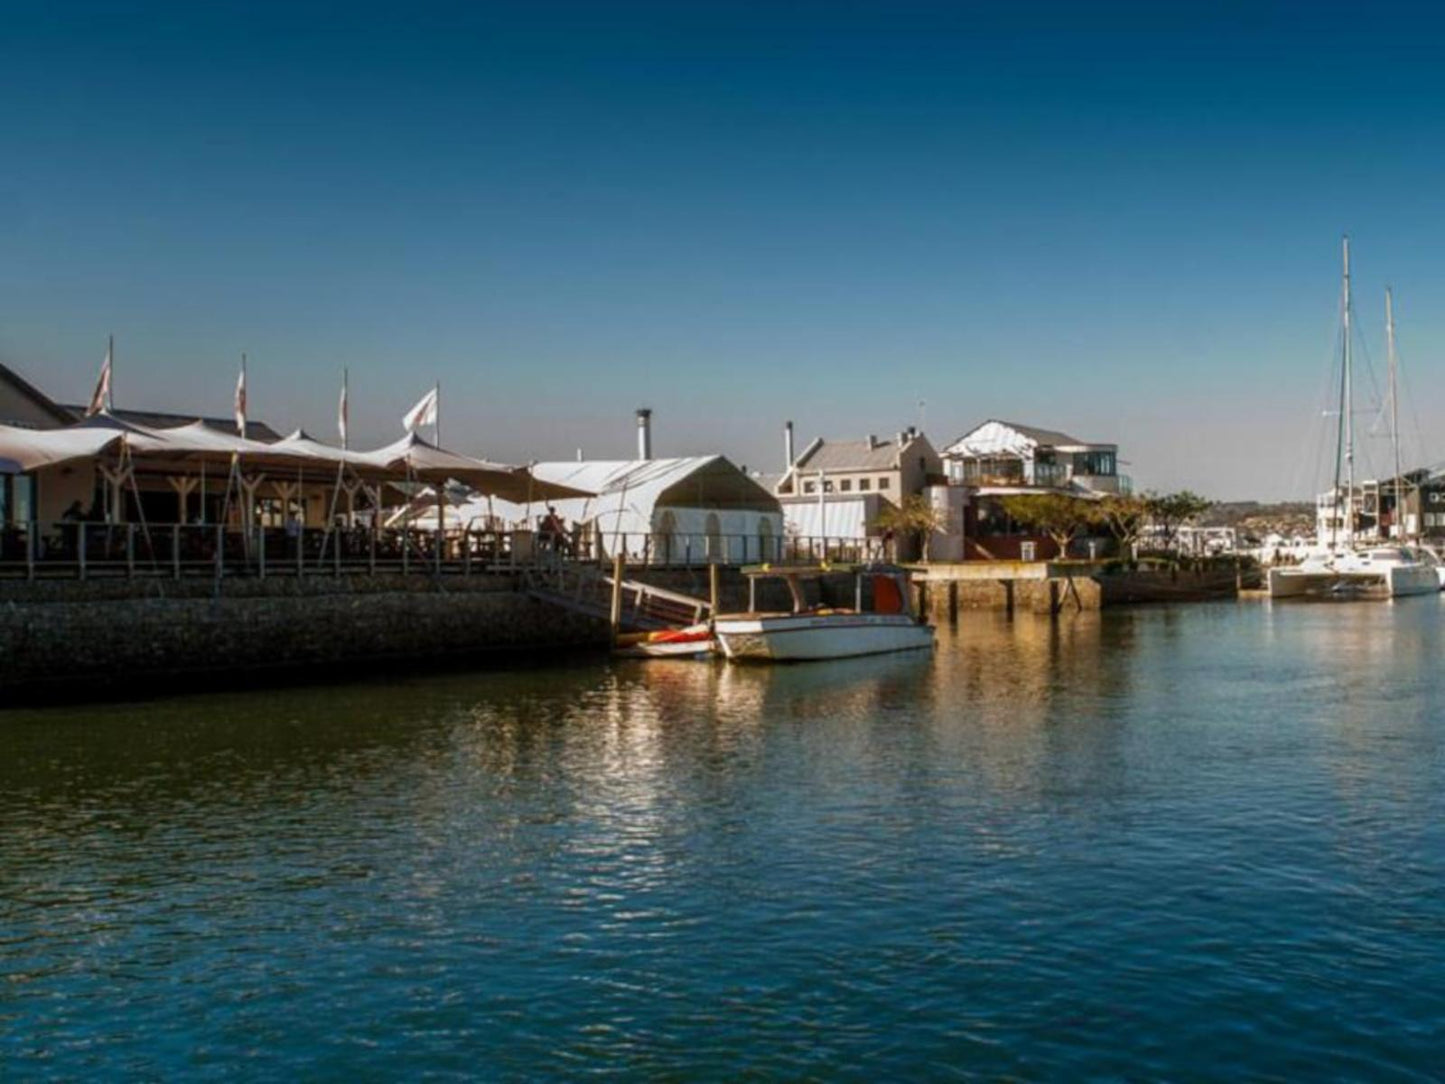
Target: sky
pixel 1122 221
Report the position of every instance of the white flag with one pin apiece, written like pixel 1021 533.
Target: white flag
pixel 240 405
pixel 341 412
pixel 100 400
pixel 424 413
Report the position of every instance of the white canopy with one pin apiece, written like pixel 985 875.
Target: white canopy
pixel 411 457
pixel 24 450
pixel 425 462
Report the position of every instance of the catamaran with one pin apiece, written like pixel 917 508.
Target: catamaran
pixel 1339 567
pixel 814 632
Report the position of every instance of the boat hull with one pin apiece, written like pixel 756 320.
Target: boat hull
pixel 686 643
pixel 1390 582
pixel 803 637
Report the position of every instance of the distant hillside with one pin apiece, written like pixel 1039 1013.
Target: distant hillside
pixel 1257 519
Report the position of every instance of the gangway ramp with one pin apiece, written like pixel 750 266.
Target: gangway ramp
pixel 588 591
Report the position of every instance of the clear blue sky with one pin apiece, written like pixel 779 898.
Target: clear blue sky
pixel 1122 221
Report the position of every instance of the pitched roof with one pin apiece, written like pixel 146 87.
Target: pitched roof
pixel 35 395
pixel 995 437
pixel 829 455
pixel 1051 437
pixel 160 419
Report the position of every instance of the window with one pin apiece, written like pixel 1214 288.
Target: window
pixel 846 484
pixel 883 483
pixel 22 498
pixel 765 540
pixel 808 487
pixel 863 485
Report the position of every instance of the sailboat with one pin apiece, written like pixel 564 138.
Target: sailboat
pixel 1340 567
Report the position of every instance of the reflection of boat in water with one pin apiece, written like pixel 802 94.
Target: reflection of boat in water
pixel 823 632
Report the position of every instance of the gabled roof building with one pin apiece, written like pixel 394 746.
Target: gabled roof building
pixel 1009 456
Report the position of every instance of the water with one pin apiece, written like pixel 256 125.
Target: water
pixel 1188 843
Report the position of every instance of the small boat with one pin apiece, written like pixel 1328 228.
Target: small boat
pixel 809 633
pixel 693 641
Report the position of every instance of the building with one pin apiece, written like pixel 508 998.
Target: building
pixel 159 419
pixel 1000 459
pixel 23 404
pixel 892 469
pixel 837 489
pixel 1007 454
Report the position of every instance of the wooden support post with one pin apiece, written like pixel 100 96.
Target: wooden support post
pixel 80 547
pixel 220 550
pixel 714 585
pixel 752 594
pixel 176 551
pixel 261 551
pixel 618 568
pixel 30 550
pixel 130 550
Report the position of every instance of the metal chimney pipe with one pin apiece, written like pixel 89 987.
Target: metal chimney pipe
pixel 788 445
pixel 644 433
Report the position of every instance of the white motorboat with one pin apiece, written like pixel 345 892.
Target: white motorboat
pixel 1380 572
pixel 810 633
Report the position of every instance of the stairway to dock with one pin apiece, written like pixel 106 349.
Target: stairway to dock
pixel 588 591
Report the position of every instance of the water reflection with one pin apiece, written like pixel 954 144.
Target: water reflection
pixel 1024 854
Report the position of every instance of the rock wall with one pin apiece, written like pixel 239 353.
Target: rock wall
pixel 138 642
pixel 142 636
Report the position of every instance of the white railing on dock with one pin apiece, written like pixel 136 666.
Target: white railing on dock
pixel 73 550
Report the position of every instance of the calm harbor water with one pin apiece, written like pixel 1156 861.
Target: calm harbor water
pixel 1195 842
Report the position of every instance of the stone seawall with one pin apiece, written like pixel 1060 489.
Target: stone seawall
pixel 128 637
pixel 137 637
pixel 947 592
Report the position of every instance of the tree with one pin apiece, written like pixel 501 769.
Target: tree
pixel 1170 511
pixel 1056 515
pixel 1123 516
pixel 914 518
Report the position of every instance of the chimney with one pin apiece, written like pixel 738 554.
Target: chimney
pixel 872 442
pixel 644 432
pixel 902 436
pixel 788 445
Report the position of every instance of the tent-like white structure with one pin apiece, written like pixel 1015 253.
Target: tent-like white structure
pixel 425 462
pixel 696 507
pixel 115 448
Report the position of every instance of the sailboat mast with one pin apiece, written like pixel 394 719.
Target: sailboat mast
pixel 1394 412
pixel 1347 407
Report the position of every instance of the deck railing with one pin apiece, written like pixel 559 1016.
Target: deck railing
pixel 99 550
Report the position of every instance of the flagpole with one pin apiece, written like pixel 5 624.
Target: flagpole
pixel 244 392
pixel 346 399
pixel 437 429
pixel 110 384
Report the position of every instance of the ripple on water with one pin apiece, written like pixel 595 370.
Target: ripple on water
pixel 1152 844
